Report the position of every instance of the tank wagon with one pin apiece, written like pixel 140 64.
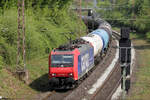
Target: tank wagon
pixel 69 63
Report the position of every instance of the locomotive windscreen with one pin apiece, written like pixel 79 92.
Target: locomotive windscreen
pixel 62 60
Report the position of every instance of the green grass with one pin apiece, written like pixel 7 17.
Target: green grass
pixel 42 34
pixel 141 87
pixel 116 29
pixel 12 87
pixel 37 67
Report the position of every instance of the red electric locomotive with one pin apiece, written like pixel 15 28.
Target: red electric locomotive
pixel 68 64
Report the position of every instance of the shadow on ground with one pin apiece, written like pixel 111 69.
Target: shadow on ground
pixel 142 47
pixel 139 47
pixel 139 36
pixel 41 84
pixel 62 90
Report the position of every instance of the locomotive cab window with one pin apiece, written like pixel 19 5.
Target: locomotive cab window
pixel 62 60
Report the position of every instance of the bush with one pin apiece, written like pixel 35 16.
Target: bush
pixel 125 10
pixel 1 62
pixel 43 32
pixel 8 36
pixel 148 35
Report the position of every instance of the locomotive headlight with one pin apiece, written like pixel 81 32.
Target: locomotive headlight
pixel 70 74
pixel 53 74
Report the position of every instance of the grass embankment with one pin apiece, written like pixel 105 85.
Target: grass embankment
pixel 141 85
pixel 11 87
pixel 43 32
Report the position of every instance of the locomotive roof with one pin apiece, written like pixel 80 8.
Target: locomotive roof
pixel 80 44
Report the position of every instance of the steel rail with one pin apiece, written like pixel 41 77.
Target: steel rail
pixel 117 36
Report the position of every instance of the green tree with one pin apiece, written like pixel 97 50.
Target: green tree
pixel 122 10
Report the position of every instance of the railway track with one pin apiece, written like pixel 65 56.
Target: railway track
pixel 81 91
pixel 112 82
pixel 63 95
pixel 116 34
pixel 106 90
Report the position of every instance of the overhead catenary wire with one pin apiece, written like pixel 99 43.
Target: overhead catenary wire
pixel 105 18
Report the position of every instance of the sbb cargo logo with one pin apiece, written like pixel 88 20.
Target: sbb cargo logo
pixel 85 62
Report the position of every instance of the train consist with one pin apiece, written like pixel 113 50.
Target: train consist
pixel 69 63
